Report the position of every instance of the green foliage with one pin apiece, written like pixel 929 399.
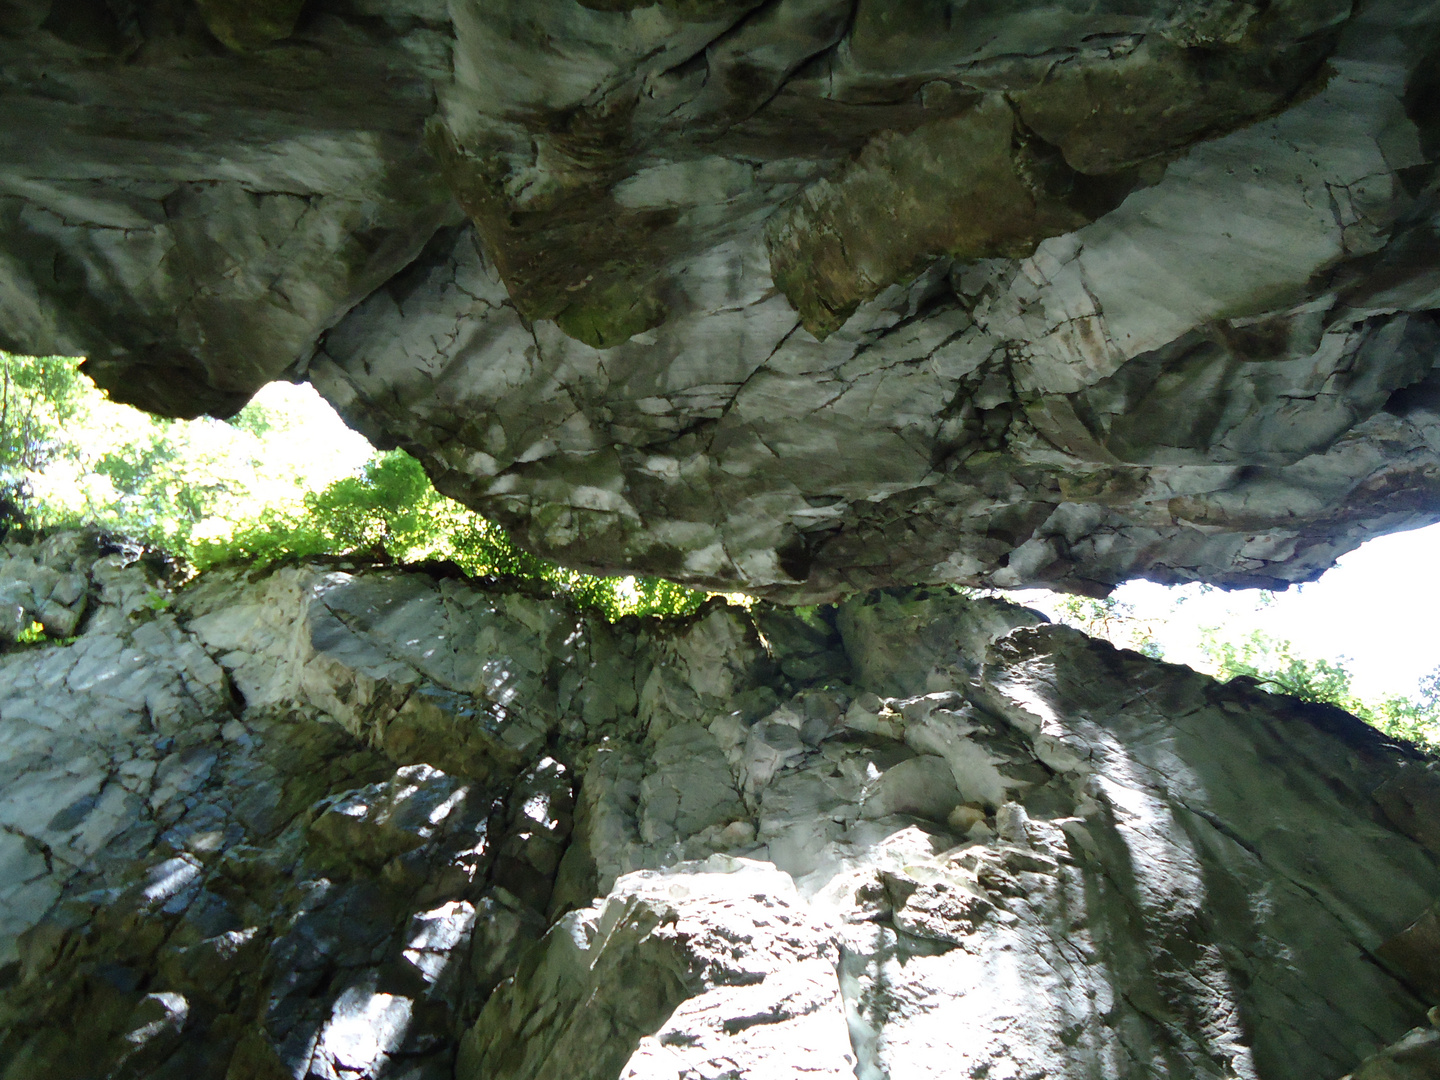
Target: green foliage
pixel 68 456
pixel 209 492
pixel 1269 662
pixel 1110 619
pixel 1276 668
pixel 157 495
pixel 34 634
pixel 257 420
pixel 392 509
pixel 39 395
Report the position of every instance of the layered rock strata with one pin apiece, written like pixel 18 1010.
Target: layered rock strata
pixel 794 296
pixel 337 820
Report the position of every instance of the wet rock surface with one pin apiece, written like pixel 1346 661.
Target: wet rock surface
pixel 802 297
pixel 338 820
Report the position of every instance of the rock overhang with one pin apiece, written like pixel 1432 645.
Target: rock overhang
pixel 797 297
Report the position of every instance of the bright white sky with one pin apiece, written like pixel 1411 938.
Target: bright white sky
pixel 1377 607
pixel 318 431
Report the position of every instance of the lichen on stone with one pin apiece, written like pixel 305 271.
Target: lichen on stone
pixel 971 187
pixel 246 25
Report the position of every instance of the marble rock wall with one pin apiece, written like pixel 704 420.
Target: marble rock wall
pixel 797 297
pixel 339 820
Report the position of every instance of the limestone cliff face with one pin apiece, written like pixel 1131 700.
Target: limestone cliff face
pixel 795 296
pixel 351 821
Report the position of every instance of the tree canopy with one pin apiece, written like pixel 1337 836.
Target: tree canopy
pixel 1274 666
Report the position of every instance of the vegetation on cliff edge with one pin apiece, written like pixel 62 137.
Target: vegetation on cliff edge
pixel 1271 663
pixel 253 489
pixel 215 493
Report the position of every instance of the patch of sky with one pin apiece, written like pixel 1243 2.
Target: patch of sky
pixel 1378 608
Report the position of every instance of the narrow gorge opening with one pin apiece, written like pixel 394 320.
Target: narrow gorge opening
pixel 625 679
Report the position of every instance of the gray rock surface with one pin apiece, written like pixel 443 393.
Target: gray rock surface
pixel 189 204
pixel 796 296
pixel 338 820
pixel 1414 1057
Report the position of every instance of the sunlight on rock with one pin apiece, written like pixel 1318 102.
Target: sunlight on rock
pixel 917 833
pixel 545 623
pixel 434 936
pixel 364 1027
pixel 168 878
pixel 170 1011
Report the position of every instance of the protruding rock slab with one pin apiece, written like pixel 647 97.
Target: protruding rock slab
pixel 1098 297
pixel 800 297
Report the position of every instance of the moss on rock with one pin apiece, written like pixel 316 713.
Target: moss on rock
pixel 971 187
pixel 611 315
pixel 571 254
pixel 244 25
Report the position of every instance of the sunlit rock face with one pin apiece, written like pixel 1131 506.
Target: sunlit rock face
pixel 351 821
pixel 794 296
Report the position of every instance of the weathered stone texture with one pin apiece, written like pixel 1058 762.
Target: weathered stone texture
pixel 190 218
pixel 795 296
pixel 352 821
pixel 1207 381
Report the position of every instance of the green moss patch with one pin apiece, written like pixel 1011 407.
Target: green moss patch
pixel 1160 99
pixel 1039 160
pixel 612 315
pixel 573 255
pixel 244 25
pixel 972 186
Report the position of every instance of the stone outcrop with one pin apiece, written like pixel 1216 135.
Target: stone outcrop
pixel 191 193
pixel 799 297
pixel 343 820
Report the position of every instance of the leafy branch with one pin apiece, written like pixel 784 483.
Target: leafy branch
pixel 1272 664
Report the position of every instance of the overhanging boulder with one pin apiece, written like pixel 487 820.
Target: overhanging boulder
pixel 797 296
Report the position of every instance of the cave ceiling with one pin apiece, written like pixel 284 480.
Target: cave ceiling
pixel 798 297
